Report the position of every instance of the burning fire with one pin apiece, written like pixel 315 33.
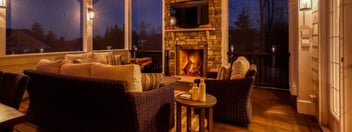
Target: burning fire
pixel 193 67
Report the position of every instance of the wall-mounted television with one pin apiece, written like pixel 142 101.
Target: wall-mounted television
pixel 190 14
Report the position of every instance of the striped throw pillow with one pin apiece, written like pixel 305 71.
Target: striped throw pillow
pixel 151 80
pixel 114 59
pixel 224 72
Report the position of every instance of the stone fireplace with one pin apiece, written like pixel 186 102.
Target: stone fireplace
pixel 186 45
pixel 191 60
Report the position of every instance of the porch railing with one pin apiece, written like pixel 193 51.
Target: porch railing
pixel 156 56
pixel 273 68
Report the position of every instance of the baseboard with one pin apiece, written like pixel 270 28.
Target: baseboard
pixel 273 88
pixel 306 107
pixel 293 90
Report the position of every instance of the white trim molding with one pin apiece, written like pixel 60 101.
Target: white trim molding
pixel 2 31
pixel 293 46
pixel 305 107
pixel 346 23
pixel 225 32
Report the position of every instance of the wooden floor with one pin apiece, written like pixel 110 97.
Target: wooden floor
pixel 273 111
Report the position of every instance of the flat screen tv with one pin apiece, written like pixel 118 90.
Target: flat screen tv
pixel 190 14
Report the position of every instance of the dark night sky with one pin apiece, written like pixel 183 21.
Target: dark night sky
pixel 108 13
pixel 61 16
pixel 147 10
pixel 64 16
pixel 111 12
pixel 235 8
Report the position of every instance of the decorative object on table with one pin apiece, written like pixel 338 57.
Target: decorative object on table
pixel 195 92
pixel 202 91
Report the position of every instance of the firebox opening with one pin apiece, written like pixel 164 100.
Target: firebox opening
pixel 191 62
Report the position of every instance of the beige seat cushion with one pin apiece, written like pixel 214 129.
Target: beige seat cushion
pixel 84 57
pixel 46 65
pixel 102 57
pixel 80 70
pixel 224 72
pixel 130 73
pixel 239 68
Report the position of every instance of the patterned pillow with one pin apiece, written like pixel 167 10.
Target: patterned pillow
pixel 114 60
pixel 239 68
pixel 224 72
pixel 151 80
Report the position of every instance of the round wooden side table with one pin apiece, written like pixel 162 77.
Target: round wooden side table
pixel 202 106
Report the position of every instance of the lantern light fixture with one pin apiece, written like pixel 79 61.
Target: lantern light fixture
pixel 91 13
pixel 3 3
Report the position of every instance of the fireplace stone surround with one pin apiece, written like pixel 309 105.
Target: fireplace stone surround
pixel 210 35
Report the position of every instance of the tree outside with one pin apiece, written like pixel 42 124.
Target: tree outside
pixel 258 25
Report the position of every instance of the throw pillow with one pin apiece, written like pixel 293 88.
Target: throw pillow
pixel 76 61
pixel 239 68
pixel 130 73
pixel 151 80
pixel 80 70
pixel 114 60
pixel 46 65
pixel 224 72
pixel 102 57
pixel 85 57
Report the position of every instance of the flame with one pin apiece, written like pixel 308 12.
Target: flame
pixel 192 59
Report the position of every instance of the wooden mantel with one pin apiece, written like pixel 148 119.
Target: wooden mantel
pixel 206 30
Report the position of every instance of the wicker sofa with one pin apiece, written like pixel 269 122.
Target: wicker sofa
pixel 70 103
pixel 233 97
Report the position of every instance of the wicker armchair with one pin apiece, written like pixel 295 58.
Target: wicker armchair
pixel 233 98
pixel 12 87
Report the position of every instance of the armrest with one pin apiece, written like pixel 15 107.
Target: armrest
pixel 167 80
pixel 155 108
pixel 238 89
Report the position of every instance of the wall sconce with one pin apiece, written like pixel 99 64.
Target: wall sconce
pixel 305 5
pixel 3 3
pixel 173 21
pixel 91 13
